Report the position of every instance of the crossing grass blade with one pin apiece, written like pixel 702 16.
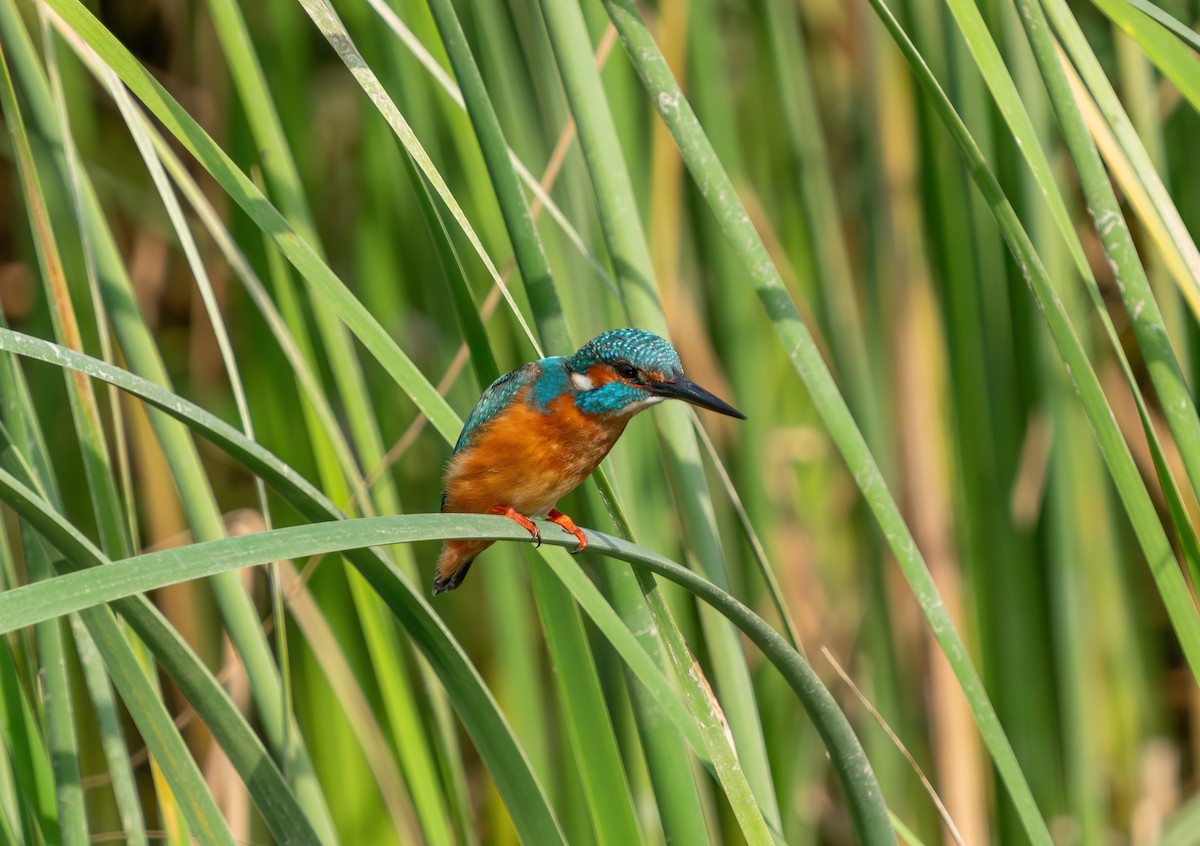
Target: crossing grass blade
pixel 284 180
pixel 199 502
pixel 1114 449
pixel 706 169
pixel 1169 21
pixel 83 25
pixel 1168 54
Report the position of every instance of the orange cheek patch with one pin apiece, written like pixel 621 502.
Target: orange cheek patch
pixel 601 374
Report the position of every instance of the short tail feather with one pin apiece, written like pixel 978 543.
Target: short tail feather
pixel 441 583
pixel 454 562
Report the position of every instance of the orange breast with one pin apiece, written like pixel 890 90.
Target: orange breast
pixel 527 459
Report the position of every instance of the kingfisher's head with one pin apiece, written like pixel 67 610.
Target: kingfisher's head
pixel 626 370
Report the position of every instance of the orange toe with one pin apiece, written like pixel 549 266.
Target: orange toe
pixel 556 516
pixel 522 521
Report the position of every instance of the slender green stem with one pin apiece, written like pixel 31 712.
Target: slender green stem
pixel 1115 450
pixel 589 723
pixel 527 247
pixel 754 803
pixel 1132 283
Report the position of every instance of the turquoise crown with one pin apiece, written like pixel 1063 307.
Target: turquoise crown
pixel 644 350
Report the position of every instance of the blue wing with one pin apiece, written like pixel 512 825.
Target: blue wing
pixel 495 399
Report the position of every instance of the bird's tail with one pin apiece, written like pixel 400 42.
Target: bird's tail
pixel 454 562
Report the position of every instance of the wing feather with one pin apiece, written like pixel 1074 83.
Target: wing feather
pixel 495 399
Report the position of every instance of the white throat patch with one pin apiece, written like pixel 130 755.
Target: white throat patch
pixel 635 407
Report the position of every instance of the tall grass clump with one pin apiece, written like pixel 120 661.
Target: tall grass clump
pixel 259 261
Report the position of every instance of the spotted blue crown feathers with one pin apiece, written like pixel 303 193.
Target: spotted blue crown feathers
pixel 644 350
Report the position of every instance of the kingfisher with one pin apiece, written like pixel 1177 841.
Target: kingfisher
pixel 539 431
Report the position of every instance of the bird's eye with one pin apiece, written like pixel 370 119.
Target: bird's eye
pixel 626 370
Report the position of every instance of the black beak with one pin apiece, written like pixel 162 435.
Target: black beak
pixel 688 391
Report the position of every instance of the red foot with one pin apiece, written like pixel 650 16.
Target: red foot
pixel 556 516
pixel 522 521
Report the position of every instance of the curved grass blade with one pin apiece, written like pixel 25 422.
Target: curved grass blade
pixel 87 588
pixel 650 615
pixel 139 129
pixel 140 697
pixel 219 178
pixel 386 652
pixel 858 780
pixel 298 354
pixel 246 450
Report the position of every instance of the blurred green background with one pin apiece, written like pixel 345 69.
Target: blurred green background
pixel 125 234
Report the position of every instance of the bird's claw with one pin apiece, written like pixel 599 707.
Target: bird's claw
pixel 535 534
pixel 569 527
